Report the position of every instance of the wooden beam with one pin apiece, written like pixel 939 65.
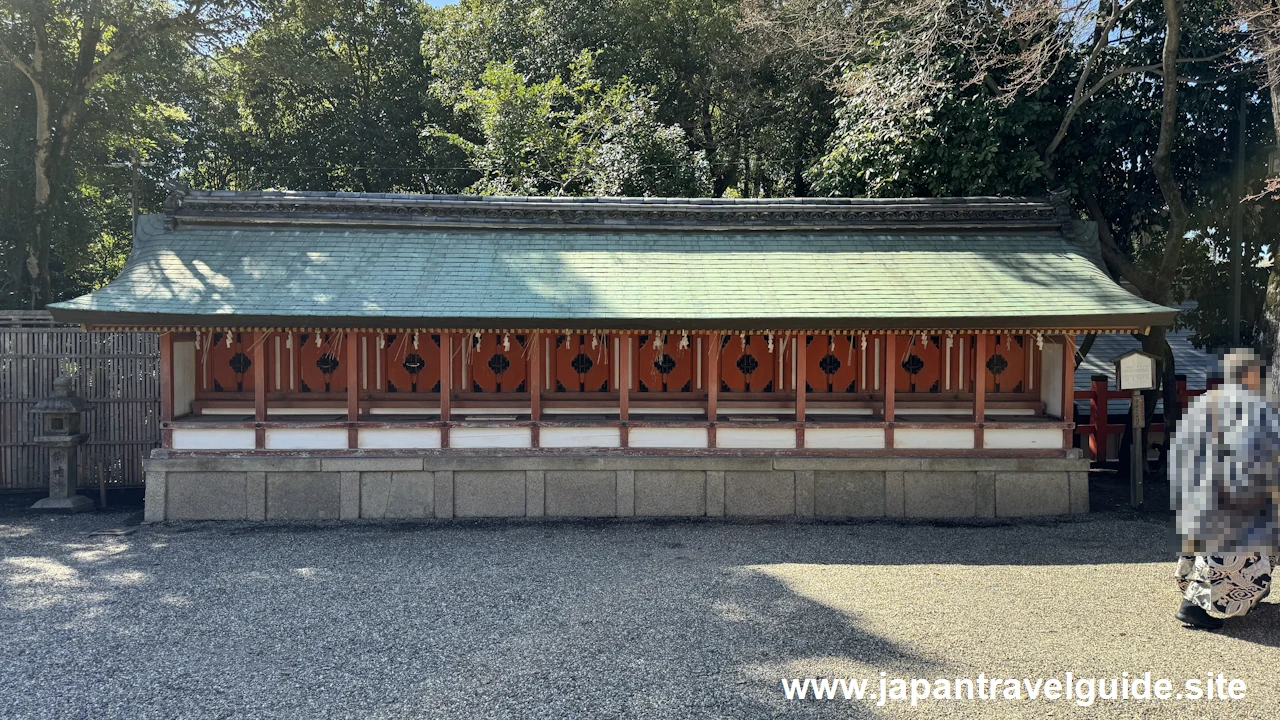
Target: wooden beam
pixel 802 356
pixel 259 360
pixel 890 383
pixel 446 374
pixel 1068 386
pixel 353 386
pixel 624 391
pixel 535 377
pixel 982 348
pixel 714 343
pixel 166 387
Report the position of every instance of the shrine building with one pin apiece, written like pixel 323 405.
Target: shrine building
pixel 345 355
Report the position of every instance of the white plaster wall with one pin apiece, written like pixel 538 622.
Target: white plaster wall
pixel 651 437
pixel 306 439
pixel 491 411
pixel 844 438
pixel 391 438
pixel 490 437
pixel 228 411
pixel 1023 438
pixel 184 377
pixel 556 437
pixel 213 439
pixel 580 411
pixel 1051 378
pixel 763 438
pixel 966 412
pixel 933 438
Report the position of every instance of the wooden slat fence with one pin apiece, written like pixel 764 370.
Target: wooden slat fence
pixel 117 372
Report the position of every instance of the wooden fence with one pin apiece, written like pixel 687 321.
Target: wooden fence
pixel 117 372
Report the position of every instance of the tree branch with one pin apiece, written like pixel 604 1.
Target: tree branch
pixel 12 57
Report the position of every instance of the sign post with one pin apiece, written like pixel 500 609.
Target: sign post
pixel 1135 372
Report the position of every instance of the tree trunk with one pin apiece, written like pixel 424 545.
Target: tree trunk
pixel 1269 332
pixel 38 241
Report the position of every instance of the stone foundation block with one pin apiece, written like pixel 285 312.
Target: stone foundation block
pixel 1079 491
pixel 670 493
pixel 1026 494
pixel 206 496
pixel 582 493
pixel 412 495
pixel 939 494
pixel 488 494
pixel 303 495
pixel 849 494
pixel 759 494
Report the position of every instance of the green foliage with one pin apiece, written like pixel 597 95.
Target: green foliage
pixel 573 137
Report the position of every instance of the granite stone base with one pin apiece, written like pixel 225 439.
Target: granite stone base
pixel 315 487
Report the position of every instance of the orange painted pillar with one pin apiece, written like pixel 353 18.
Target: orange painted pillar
pixel 890 381
pixel 166 387
pixel 259 360
pixel 352 340
pixel 982 350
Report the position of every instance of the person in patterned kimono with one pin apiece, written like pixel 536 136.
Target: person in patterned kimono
pixel 1223 472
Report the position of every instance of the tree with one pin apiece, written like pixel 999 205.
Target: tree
pixel 935 84
pixel 68 52
pixel 574 137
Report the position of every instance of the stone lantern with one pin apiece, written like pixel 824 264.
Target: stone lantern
pixel 60 432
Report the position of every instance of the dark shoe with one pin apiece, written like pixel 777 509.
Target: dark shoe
pixel 1195 616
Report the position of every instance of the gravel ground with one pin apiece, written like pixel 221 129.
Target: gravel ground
pixel 590 620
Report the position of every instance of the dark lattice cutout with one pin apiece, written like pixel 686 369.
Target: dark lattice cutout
pixel 807 386
pixel 913 365
pixel 217 338
pixel 642 340
pixel 934 387
pixel 582 363
pixel 937 341
pixel 724 340
pixel 499 364
pixel 747 364
pixel 391 387
pixel 829 365
pixel 996 364
pixel 217 386
pixel 413 364
pixel 328 364
pixel 768 387
pixel 1018 339
pixel 1018 388
pixel 808 339
pixel 240 364
pixel 305 386
pixel 853 387
pixel 435 338
pixel 475 386
pixel 688 385
pixel 520 387
pixel 724 387
pixel 643 387
pixel 304 337
pixel 560 340
pixel 604 386
pixel 436 388
pixel 560 387
pixel 520 339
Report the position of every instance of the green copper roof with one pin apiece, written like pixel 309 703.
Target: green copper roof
pixel 236 272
